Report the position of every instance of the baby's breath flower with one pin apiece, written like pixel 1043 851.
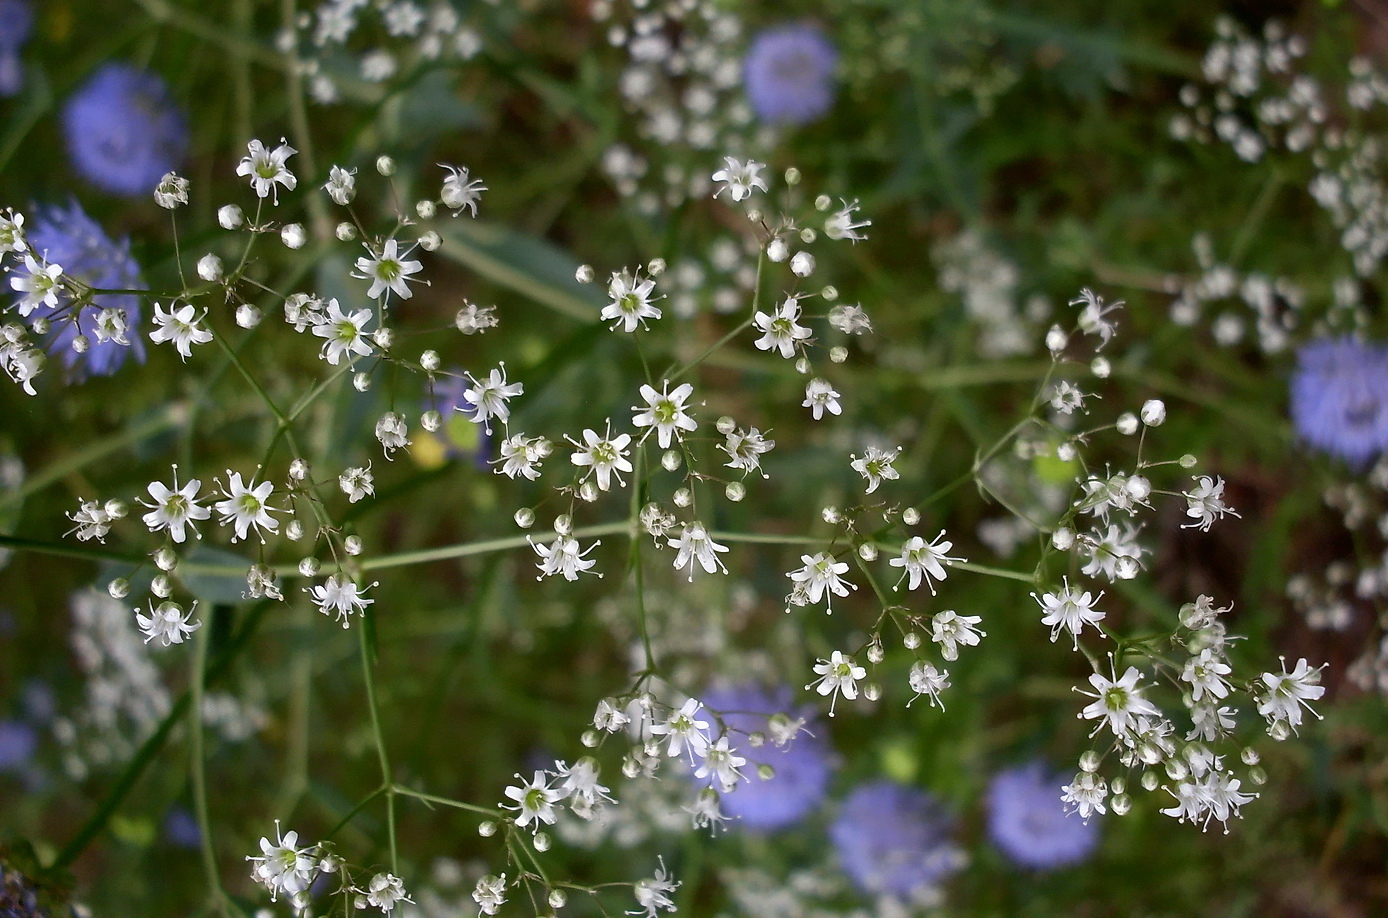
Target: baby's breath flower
pixel 490 894
pixel 266 168
pixel 604 456
pixel 563 556
pixel 780 328
pixel 1206 503
pixel 521 455
pixel 876 465
pixel 820 397
pixel 819 574
pixel 357 483
pixel 472 319
pixel 392 433
pixel 926 679
pixel 923 560
pixel 695 545
pixel 739 179
pixel 389 272
pixel 171 191
pixel 341 597
pixel 174 508
pixel 950 629
pixel 460 192
pixel 664 412
pixel 40 283
pixel 1069 610
pixel 167 622
pixel 535 801
pixel 181 326
pixel 489 398
pixel 632 301
pixel 341 185
pixel 247 505
pixel 837 675
pixel 343 335
pixel 841 224
pixel 745 448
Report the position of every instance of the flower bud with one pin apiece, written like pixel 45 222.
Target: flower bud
pixel 1153 412
pixel 230 217
pixel 293 236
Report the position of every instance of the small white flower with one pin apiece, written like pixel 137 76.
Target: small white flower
pixel 384 892
pixel 780 328
pixel 609 718
pixel 1093 319
pixel 949 630
pixel 22 364
pixel 820 397
pixel 41 283
pixel 167 622
pixel 632 301
pixel 684 728
pixel 819 574
pixel 490 894
pixel 246 506
pixel 171 191
pixel 653 893
pixel 1288 693
pixel 392 433
pixel 837 675
pixel 490 398
pixel 388 272
pixel 1069 610
pixel 1067 398
pixel 357 483
pixel 522 455
pixel 1205 672
pixel 739 179
pixel 284 867
pixel 923 560
pixel 664 412
pixel 1113 552
pixel 841 225
pixel 12 232
pixel 343 335
pixel 92 521
pixel 1117 701
pixel 579 785
pixel 460 192
pixel 1085 795
pixel 876 465
pixel 926 680
pixel 604 456
pixel 745 448
pixel 181 326
pixel 341 185
pixel 850 319
pixel 1206 503
pixel 563 556
pixel 722 765
pixel 535 801
pixel 174 508
pixel 266 168
pixel 472 319
pixel 695 545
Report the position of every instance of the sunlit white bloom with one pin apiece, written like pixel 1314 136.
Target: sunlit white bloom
pixel 653 893
pixel 579 786
pixel 924 560
pixel 722 765
pixel 1085 795
pixel 388 272
pixel 739 179
pixel 490 894
pixel 343 335
pixel 876 465
pixel 167 622
pixel 341 597
pixel 604 456
pixel 522 455
pixel 745 448
pixel 563 557
pixel 535 801
pixel 841 225
pixel 820 397
pixel 1205 673
pixel 246 506
pixel 780 329
pixel 357 483
pixel 1113 552
pixel 181 326
pixel 821 573
pixel 40 283
pixel 665 412
pixel 926 680
pixel 1069 610
pixel 683 728
pixel 174 508
pixel 341 185
pixel 267 168
pixel 837 675
pixel 488 398
pixel 1205 503
pixel 694 545
pixel 284 867
pixel 460 192
pixel 1117 701
pixel 950 629
pixel 632 301
pixel 1287 693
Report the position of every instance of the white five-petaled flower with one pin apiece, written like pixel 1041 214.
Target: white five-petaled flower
pixel 579 785
pixel 343 335
pixel 460 192
pixel 665 412
pixel 340 596
pixel 490 894
pixel 820 397
pixel 950 629
pixel 1205 503
pixel 341 185
pixel 1093 319
pixel 392 432
pixel 563 556
pixel 684 728
pixel 357 483
pixel 604 456
pixel 722 765
pixel 522 455
pixel 923 560
pixel 1118 702
pixel 821 573
pixel 246 506
pixel 632 301
pixel 1288 692
pixel 182 326
pixel 653 893
pixel 383 892
pixel 535 801
pixel 1085 795
pixel 1205 672
pixel 745 449
pixel 837 675
pixel 174 508
pixel 91 521
pixel 488 398
pixel 1213 796
pixel 850 319
pixel 780 329
pixel 841 225
pixel 41 283
pixel 695 545
pixel 739 179
pixel 1069 609
pixel 876 465
pixel 926 680
pixel 167 621
pixel 388 272
pixel 284 867
pixel 266 168
pixel 12 232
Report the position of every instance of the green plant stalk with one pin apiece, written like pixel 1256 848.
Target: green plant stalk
pixel 380 740
pixel 197 767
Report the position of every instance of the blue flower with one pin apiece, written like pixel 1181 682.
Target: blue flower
pixel 17 744
pixel 893 840
pixel 789 74
pixel 1339 398
pixel 68 237
pixel 16 22
pixel 18 897
pixel 460 437
pixel 181 829
pixel 1027 820
pixel 803 766
pixel 124 130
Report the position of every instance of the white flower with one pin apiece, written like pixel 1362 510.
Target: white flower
pixel 383 892
pixel 341 185
pixel 838 674
pixel 1206 503
pixel 684 728
pixel 1113 552
pixel 181 326
pixel 267 168
pixel 1205 673
pixel 246 506
pixel 535 801
pixel 580 787
pixel 1117 701
pixel 739 179
pixel 1093 319
pixel 802 264
pixel 949 630
pixel 706 810
pixel 840 225
pixel 92 521
pixel 489 398
pixel 820 573
pixel 210 268
pixel 1209 721
pixel 850 319
pixel 653 893
pixel 41 283
pixel 230 216
pixel 1069 610
pixel 388 272
pixel 745 448
pixel 562 556
pixel 392 433
pixel 283 866
pixel 923 560
pixel 605 457
pixel 490 894
pixel 260 582
pixel 694 544
pixel 171 191
pixel 22 364
pixel 12 232
pixel 168 622
pixel 876 465
pixel 632 301
pixel 460 192
pixel 472 319
pixel 341 597
pixel 721 764
pixel 925 679
pixel 780 330
pixel 1085 795
pixel 1215 796
pixel 1067 398
pixel 609 718
pixel 820 397
pixel 343 335
pixel 1287 693
pixel 357 483
pixel 111 326
pixel 174 508
pixel 522 455
pixel 665 412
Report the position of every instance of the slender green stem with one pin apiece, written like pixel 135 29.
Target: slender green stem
pixel 446 801
pixel 994 571
pixel 381 754
pixel 467 549
pixel 246 374
pixel 352 813
pixel 197 766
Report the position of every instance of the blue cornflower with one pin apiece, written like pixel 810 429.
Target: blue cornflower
pixel 124 131
pixel 16 22
pixel 893 841
pixel 1339 398
pixel 68 237
pixel 18 897
pixel 1027 820
pixel 803 765
pixel 789 74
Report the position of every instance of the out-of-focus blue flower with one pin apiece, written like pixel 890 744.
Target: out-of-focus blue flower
pixel 124 130
pixel 1027 820
pixel 16 22
pixel 461 438
pixel 894 841
pixel 1339 398
pixel 803 766
pixel 68 237
pixel 181 829
pixel 789 74
pixel 18 897
pixel 17 744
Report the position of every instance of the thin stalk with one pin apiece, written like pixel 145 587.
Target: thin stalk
pixel 198 770
pixel 381 753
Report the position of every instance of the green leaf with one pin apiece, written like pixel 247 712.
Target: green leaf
pixel 527 265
